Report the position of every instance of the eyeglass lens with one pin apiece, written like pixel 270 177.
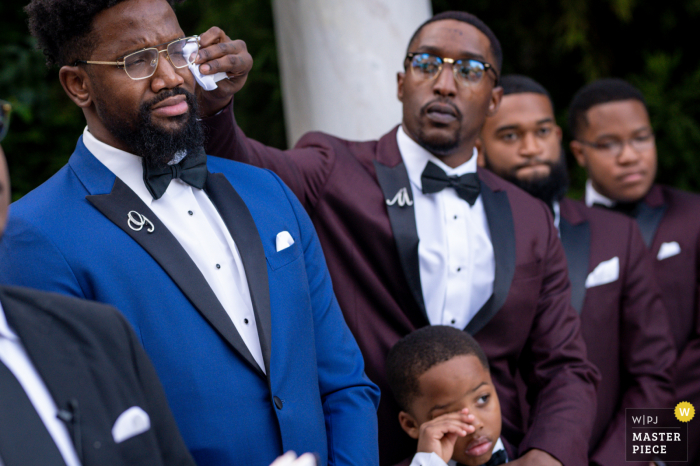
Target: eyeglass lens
pixel 615 147
pixel 4 118
pixel 467 71
pixel 143 64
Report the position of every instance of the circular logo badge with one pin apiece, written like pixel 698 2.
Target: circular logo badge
pixel 684 411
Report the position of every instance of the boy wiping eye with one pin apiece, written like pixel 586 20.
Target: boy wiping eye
pixel 440 378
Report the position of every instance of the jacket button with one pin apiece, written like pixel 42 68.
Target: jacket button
pixel 278 402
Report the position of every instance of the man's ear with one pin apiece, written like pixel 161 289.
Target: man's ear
pixel 496 96
pixel 479 145
pixel 409 425
pixel 76 83
pixel 577 149
pixel 400 77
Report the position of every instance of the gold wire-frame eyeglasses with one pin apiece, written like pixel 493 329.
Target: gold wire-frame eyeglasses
pixel 143 63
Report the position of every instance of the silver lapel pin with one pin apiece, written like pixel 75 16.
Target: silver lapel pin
pixel 136 222
pixel 401 198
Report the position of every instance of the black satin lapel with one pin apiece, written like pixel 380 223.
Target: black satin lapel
pixel 576 240
pixel 58 361
pixel 166 250
pixel 241 225
pixel 398 197
pixel 500 220
pixel 648 218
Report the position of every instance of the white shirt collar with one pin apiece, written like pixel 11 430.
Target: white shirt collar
pixel 594 197
pixel 127 167
pixel 416 158
pixel 5 330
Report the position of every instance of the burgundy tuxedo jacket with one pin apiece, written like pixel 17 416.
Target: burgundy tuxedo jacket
pixel 371 248
pixel 623 320
pixel 669 220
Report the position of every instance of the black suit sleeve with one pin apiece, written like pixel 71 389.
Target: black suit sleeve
pixel 173 450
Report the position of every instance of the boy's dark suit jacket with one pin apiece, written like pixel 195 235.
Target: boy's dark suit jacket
pixel 668 216
pixel 624 322
pixel 372 254
pixel 87 352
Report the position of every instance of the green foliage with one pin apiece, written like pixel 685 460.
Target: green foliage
pixel 561 43
pixel 566 43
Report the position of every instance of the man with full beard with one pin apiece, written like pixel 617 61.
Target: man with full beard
pixel 215 264
pixel 623 319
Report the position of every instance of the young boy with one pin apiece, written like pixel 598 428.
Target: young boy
pixel 440 378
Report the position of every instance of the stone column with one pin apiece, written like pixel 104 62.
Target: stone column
pixel 339 59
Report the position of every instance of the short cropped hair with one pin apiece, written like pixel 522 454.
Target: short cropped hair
pixel 468 18
pixel 519 84
pixel 63 28
pixel 419 351
pixel 599 92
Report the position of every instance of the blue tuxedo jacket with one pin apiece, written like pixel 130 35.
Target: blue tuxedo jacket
pixel 71 236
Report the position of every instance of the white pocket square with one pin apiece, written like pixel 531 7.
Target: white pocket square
pixel 132 422
pixel 284 240
pixel 606 272
pixel 668 250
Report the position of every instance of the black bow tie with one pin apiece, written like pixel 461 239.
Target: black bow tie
pixel 434 180
pixel 192 170
pixel 625 208
pixel 498 457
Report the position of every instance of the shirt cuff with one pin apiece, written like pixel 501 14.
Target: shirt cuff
pixel 427 459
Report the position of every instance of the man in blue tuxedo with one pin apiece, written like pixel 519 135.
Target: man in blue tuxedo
pixel 215 264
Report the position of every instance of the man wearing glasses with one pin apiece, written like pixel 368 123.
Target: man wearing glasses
pixel 614 142
pixel 414 235
pixel 623 318
pixel 215 264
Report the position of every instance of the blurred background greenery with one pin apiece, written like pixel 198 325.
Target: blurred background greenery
pixel 561 43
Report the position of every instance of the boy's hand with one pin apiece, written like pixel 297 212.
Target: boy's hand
pixel 218 53
pixel 439 435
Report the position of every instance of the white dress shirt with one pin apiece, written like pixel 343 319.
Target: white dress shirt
pixel 190 216
pixel 432 459
pixel 457 265
pixel 594 197
pixel 14 356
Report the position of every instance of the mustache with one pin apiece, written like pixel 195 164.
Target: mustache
pixel 532 162
pixel 166 94
pixel 443 101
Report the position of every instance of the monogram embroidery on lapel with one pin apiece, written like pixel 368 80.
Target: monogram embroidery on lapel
pixel 136 222
pixel 401 198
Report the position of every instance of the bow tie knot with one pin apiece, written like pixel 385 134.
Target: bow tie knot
pixel 192 170
pixel 434 179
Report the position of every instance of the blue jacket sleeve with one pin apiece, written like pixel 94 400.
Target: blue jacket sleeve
pixel 29 258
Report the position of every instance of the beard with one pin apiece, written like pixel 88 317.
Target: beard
pixel 549 188
pixel 146 139
pixel 440 146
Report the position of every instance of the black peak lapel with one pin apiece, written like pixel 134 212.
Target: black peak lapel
pixel 576 240
pixel 64 372
pixel 500 220
pixel 241 225
pixel 648 218
pixel 167 251
pixel 398 197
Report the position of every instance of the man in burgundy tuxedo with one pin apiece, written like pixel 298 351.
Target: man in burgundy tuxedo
pixel 614 141
pixel 489 260
pixel 624 322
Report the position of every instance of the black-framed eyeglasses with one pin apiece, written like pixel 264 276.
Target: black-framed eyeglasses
pixel 5 110
pixel 143 63
pixel 614 147
pixel 467 71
